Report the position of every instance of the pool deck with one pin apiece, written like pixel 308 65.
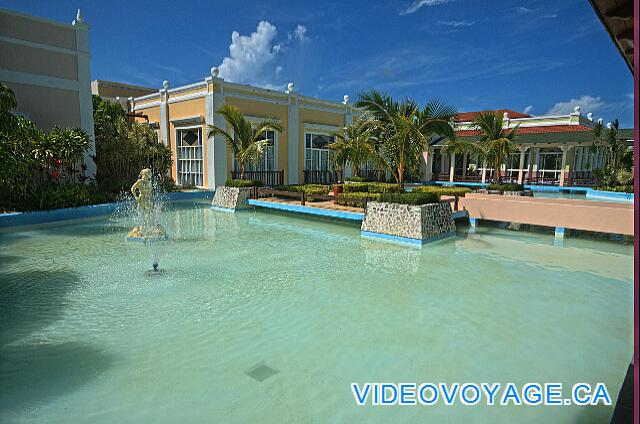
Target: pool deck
pixel 326 209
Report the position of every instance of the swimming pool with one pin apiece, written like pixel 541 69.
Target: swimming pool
pixel 306 306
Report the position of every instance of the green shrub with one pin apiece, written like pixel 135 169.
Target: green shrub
pixel 370 188
pixel 307 189
pixel 357 199
pixel 443 191
pixel 419 198
pixel 358 179
pixel 243 183
pixel 506 187
pixel 619 189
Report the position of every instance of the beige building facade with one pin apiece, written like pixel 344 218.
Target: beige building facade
pixel 297 154
pixel 46 64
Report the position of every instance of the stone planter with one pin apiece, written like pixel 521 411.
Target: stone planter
pixel 231 198
pixel 408 223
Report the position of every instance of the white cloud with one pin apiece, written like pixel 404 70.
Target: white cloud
pixel 249 55
pixel 300 33
pixel 522 10
pixel 456 24
pixel 417 4
pixel 528 109
pixel 254 59
pixel 587 104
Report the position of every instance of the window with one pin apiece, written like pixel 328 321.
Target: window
pixel 190 156
pixel 317 154
pixel 268 159
pixel 587 159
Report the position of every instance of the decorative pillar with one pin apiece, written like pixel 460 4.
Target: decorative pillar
pixel 484 171
pixel 84 90
pixel 293 141
pixel 523 151
pixel 452 167
pixel 217 171
pixel 465 164
pixel 428 165
pixel 533 164
pixel 164 114
pixel 565 169
pixel 348 120
pixel 443 162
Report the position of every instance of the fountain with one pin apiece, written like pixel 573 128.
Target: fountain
pixel 148 229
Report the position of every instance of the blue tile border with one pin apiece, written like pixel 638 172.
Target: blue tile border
pixel 353 216
pixel 18 219
pixel 404 240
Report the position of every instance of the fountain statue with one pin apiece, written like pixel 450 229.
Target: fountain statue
pixel 148 228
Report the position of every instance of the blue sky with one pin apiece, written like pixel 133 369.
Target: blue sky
pixel 537 56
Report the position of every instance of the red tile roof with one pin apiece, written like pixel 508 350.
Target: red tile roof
pixel 470 116
pixel 543 129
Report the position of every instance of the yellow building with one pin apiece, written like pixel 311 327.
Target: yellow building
pixel 297 154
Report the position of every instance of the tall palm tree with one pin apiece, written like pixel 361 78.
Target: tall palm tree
pixel 247 141
pixel 355 144
pixel 404 129
pixel 493 146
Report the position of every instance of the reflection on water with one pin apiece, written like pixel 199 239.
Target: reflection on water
pixel 86 335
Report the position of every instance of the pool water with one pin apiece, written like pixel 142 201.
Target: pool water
pixel 263 317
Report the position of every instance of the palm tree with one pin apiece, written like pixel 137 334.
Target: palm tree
pixel 609 140
pixel 404 129
pixel 247 141
pixel 355 144
pixel 493 146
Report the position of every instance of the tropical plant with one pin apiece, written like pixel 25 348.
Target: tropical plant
pixel 493 146
pixel 247 141
pixel 123 148
pixel 355 145
pixel 404 129
pixel 607 138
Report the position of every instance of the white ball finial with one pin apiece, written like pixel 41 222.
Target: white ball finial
pixel 590 116
pixel 214 72
pixel 165 84
pixel 600 121
pixel 505 116
pixel 609 125
pixel 79 17
pixel 290 87
pixel 345 99
pixel 576 110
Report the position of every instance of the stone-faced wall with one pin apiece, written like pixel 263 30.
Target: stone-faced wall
pixel 231 197
pixel 422 222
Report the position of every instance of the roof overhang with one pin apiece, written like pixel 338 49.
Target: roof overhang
pixel 617 18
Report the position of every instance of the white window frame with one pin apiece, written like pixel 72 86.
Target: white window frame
pixel 234 164
pixel 177 130
pixel 313 132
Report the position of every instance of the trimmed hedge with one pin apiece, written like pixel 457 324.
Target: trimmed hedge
pixel 506 187
pixel 443 191
pixel 359 179
pixel 308 189
pixel 356 199
pixel 370 188
pixel 243 183
pixel 410 198
pixel 618 189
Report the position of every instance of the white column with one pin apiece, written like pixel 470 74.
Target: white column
pixel 443 162
pixel 293 141
pixel 84 90
pixel 217 172
pixel 465 165
pixel 452 167
pixel 428 165
pixel 164 115
pixel 348 120
pixel 564 170
pixel 523 151
pixel 484 171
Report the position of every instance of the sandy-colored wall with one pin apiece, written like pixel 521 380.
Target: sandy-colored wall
pixel 48 107
pixel 587 215
pixel 19 58
pixel 37 31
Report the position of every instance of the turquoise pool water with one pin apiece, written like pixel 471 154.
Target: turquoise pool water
pixel 306 306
